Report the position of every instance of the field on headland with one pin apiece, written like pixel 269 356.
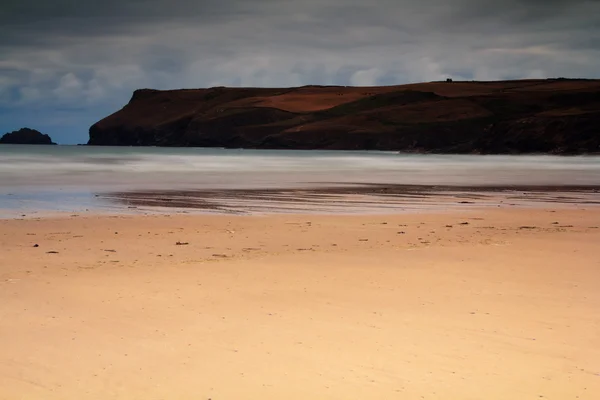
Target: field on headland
pixel 552 116
pixel 464 304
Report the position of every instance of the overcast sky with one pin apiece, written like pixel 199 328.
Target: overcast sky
pixel 64 64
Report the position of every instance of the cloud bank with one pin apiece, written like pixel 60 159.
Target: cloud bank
pixel 65 64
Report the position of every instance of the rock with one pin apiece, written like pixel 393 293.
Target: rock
pixel 26 136
pixel 511 117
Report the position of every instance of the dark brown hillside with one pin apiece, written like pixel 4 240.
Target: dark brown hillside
pixel 530 116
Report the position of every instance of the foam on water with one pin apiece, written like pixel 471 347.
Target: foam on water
pixel 66 176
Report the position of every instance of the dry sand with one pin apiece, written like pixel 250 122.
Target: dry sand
pixel 479 304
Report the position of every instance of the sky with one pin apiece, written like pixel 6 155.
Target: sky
pixel 65 64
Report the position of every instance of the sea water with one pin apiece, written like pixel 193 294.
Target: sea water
pixel 71 178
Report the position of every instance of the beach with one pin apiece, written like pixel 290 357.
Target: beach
pixel 468 303
pixel 299 200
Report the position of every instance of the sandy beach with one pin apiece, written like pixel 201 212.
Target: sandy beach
pixel 467 304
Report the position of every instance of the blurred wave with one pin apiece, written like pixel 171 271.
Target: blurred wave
pixel 116 168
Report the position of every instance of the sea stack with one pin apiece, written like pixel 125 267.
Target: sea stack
pixel 26 136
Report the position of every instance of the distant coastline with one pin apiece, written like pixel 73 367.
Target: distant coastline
pixel 552 116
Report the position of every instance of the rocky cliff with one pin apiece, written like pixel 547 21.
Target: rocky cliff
pixel 530 116
pixel 26 136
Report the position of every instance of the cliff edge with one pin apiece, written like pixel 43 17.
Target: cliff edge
pixel 557 116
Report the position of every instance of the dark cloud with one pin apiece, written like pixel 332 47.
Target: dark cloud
pixel 92 54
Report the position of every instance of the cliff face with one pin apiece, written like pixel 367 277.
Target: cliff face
pixel 531 116
pixel 26 136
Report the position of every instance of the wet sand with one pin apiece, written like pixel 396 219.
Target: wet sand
pixel 353 199
pixel 470 303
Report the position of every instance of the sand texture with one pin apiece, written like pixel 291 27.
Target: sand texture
pixel 479 304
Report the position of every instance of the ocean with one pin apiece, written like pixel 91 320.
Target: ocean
pixel 37 179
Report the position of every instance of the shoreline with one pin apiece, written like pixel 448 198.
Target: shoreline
pixel 356 199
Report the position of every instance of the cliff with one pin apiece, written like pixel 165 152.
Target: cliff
pixel 529 116
pixel 26 136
